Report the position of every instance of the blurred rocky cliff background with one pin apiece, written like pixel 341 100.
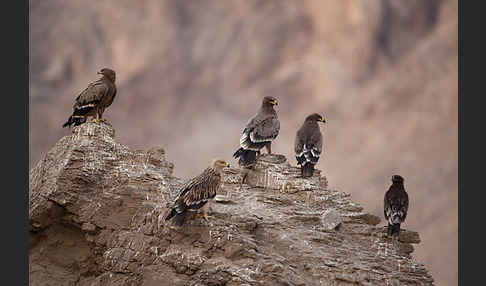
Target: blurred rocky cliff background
pixel 191 73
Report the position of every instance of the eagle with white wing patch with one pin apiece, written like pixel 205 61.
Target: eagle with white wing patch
pixel 308 144
pixel 395 205
pixel 94 99
pixel 197 192
pixel 259 132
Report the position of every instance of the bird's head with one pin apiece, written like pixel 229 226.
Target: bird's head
pixel 219 164
pixel 269 101
pixel 109 73
pixel 397 179
pixel 315 117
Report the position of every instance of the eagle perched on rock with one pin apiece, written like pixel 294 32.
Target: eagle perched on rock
pixel 94 99
pixel 197 192
pixel 395 205
pixel 308 144
pixel 259 132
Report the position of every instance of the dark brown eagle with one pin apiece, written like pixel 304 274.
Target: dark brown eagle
pixel 196 193
pixel 308 144
pixel 94 99
pixel 395 205
pixel 259 132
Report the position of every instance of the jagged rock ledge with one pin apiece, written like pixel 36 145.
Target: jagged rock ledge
pixel 96 218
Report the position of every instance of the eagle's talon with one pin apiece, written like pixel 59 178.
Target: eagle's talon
pixel 207 217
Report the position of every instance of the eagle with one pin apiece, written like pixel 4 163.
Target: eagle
pixel 308 144
pixel 259 132
pixel 94 99
pixel 196 193
pixel 395 205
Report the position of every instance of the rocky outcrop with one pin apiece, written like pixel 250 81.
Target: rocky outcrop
pixel 96 215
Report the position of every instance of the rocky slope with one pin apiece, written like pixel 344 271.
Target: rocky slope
pixel 96 218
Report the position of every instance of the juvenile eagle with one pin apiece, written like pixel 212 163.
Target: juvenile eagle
pixel 259 132
pixel 197 192
pixel 94 99
pixel 395 205
pixel 308 144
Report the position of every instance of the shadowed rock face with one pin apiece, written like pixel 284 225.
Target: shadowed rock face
pixel 97 210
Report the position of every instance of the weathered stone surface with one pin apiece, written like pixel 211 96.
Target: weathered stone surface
pixel 97 218
pixel 331 219
pixel 275 172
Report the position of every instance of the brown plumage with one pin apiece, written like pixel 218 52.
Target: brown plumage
pixel 94 99
pixel 259 132
pixel 197 192
pixel 395 205
pixel 308 144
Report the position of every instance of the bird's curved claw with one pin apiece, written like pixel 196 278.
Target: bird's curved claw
pixel 207 217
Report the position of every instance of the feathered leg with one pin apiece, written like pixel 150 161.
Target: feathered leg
pixel 101 111
pixel 307 170
pixel 96 118
pixel 205 211
pixel 268 146
pixel 394 230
